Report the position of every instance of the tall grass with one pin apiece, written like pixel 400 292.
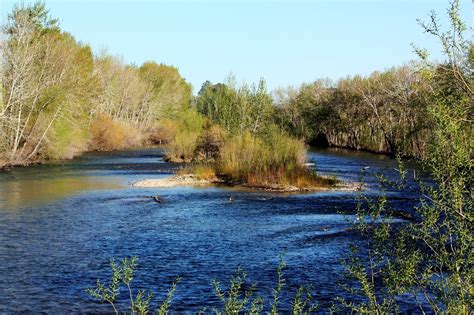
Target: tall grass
pixel 202 171
pixel 271 158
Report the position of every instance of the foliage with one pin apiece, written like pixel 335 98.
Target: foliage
pixel 55 92
pixel 271 159
pixel 239 297
pixel 236 109
pixel 46 76
pixel 383 112
pixel 107 134
pixel 122 276
pixel 187 128
pixel 209 143
pixel 169 89
pixel 430 258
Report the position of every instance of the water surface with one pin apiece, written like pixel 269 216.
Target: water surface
pixel 61 223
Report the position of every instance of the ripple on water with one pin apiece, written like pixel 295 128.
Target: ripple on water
pixel 61 223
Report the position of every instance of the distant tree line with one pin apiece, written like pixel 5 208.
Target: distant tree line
pixel 385 112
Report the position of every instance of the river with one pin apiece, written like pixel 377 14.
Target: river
pixel 60 223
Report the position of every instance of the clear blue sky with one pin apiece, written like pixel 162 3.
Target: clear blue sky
pixel 285 42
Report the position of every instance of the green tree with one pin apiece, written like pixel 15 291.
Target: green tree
pixel 237 109
pixel 430 258
pixel 47 78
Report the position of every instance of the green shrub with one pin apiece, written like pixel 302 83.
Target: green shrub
pixel 187 128
pixel 236 299
pixel 122 276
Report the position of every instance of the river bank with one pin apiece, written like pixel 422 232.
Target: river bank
pixel 194 180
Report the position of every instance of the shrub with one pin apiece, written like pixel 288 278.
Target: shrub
pixel 187 127
pixel 66 140
pixel 210 143
pixel 108 134
pixel 239 297
pixel 164 132
pixel 181 148
pixel 273 158
pixel 122 277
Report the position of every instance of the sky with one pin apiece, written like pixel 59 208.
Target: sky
pixel 284 42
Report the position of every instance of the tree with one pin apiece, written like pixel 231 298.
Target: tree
pixel 430 258
pixel 45 74
pixel 237 109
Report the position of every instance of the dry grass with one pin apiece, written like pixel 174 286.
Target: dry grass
pixel 273 158
pixel 108 134
pixel 201 171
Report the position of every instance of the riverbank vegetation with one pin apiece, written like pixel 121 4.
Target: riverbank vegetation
pixel 59 100
pixel 428 258
pixel 242 143
pixel 385 112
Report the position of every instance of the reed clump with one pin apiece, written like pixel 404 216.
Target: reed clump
pixel 272 158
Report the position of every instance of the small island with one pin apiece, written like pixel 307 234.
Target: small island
pixel 194 180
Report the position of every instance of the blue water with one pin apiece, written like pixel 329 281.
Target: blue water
pixel 61 223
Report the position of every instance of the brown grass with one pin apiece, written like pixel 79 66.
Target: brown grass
pixel 273 158
pixel 108 134
pixel 201 171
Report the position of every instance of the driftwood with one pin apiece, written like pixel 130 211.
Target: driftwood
pixel 157 199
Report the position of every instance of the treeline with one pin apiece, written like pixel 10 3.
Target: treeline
pixel 385 112
pixel 58 99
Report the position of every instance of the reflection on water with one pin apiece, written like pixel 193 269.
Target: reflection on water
pixel 27 192
pixel 62 240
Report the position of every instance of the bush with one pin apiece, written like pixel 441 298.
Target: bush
pixel 108 134
pixel 186 128
pixel 164 132
pixel 66 141
pixel 272 158
pixel 181 148
pixel 238 297
pixel 210 143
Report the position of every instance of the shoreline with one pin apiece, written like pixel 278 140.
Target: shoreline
pixel 193 180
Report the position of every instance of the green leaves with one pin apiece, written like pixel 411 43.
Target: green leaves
pixel 122 276
pixel 238 298
pixel 237 109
